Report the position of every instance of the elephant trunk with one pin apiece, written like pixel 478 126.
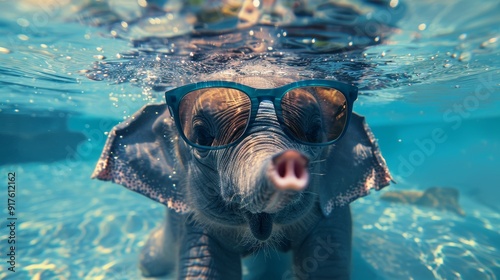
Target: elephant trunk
pixel 277 184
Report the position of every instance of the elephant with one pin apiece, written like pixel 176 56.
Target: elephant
pixel 265 194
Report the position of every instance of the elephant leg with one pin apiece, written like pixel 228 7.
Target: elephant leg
pixel 158 256
pixel 203 257
pixel 326 252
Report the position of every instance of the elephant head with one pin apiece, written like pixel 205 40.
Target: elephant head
pixel 264 179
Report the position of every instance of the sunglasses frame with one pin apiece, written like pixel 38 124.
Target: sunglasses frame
pixel 174 96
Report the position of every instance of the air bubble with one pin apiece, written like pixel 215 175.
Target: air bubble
pixel 394 3
pixel 489 43
pixel 23 37
pixel 465 56
pixel 23 22
pixel 4 50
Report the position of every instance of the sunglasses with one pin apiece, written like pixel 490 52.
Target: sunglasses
pixel 216 114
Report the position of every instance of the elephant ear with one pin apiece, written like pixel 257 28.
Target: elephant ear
pixel 144 154
pixel 354 166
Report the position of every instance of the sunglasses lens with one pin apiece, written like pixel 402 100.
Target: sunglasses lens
pixel 315 114
pixel 214 117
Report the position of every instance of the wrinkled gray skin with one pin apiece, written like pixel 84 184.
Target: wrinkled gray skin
pixel 226 204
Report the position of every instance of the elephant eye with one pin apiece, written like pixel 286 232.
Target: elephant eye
pixel 214 117
pixel 313 130
pixel 203 137
pixel 200 133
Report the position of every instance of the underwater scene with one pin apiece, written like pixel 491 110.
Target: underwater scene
pixel 428 81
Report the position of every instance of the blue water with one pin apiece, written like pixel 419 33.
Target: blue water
pixel 430 89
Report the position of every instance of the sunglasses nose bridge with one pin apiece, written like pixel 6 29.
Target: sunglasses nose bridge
pixel 263 95
pixel 265 108
pixel 266 122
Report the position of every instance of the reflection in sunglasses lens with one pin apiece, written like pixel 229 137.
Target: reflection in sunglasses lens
pixel 314 114
pixel 214 117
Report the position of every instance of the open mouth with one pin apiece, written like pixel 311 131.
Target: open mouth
pixel 261 225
